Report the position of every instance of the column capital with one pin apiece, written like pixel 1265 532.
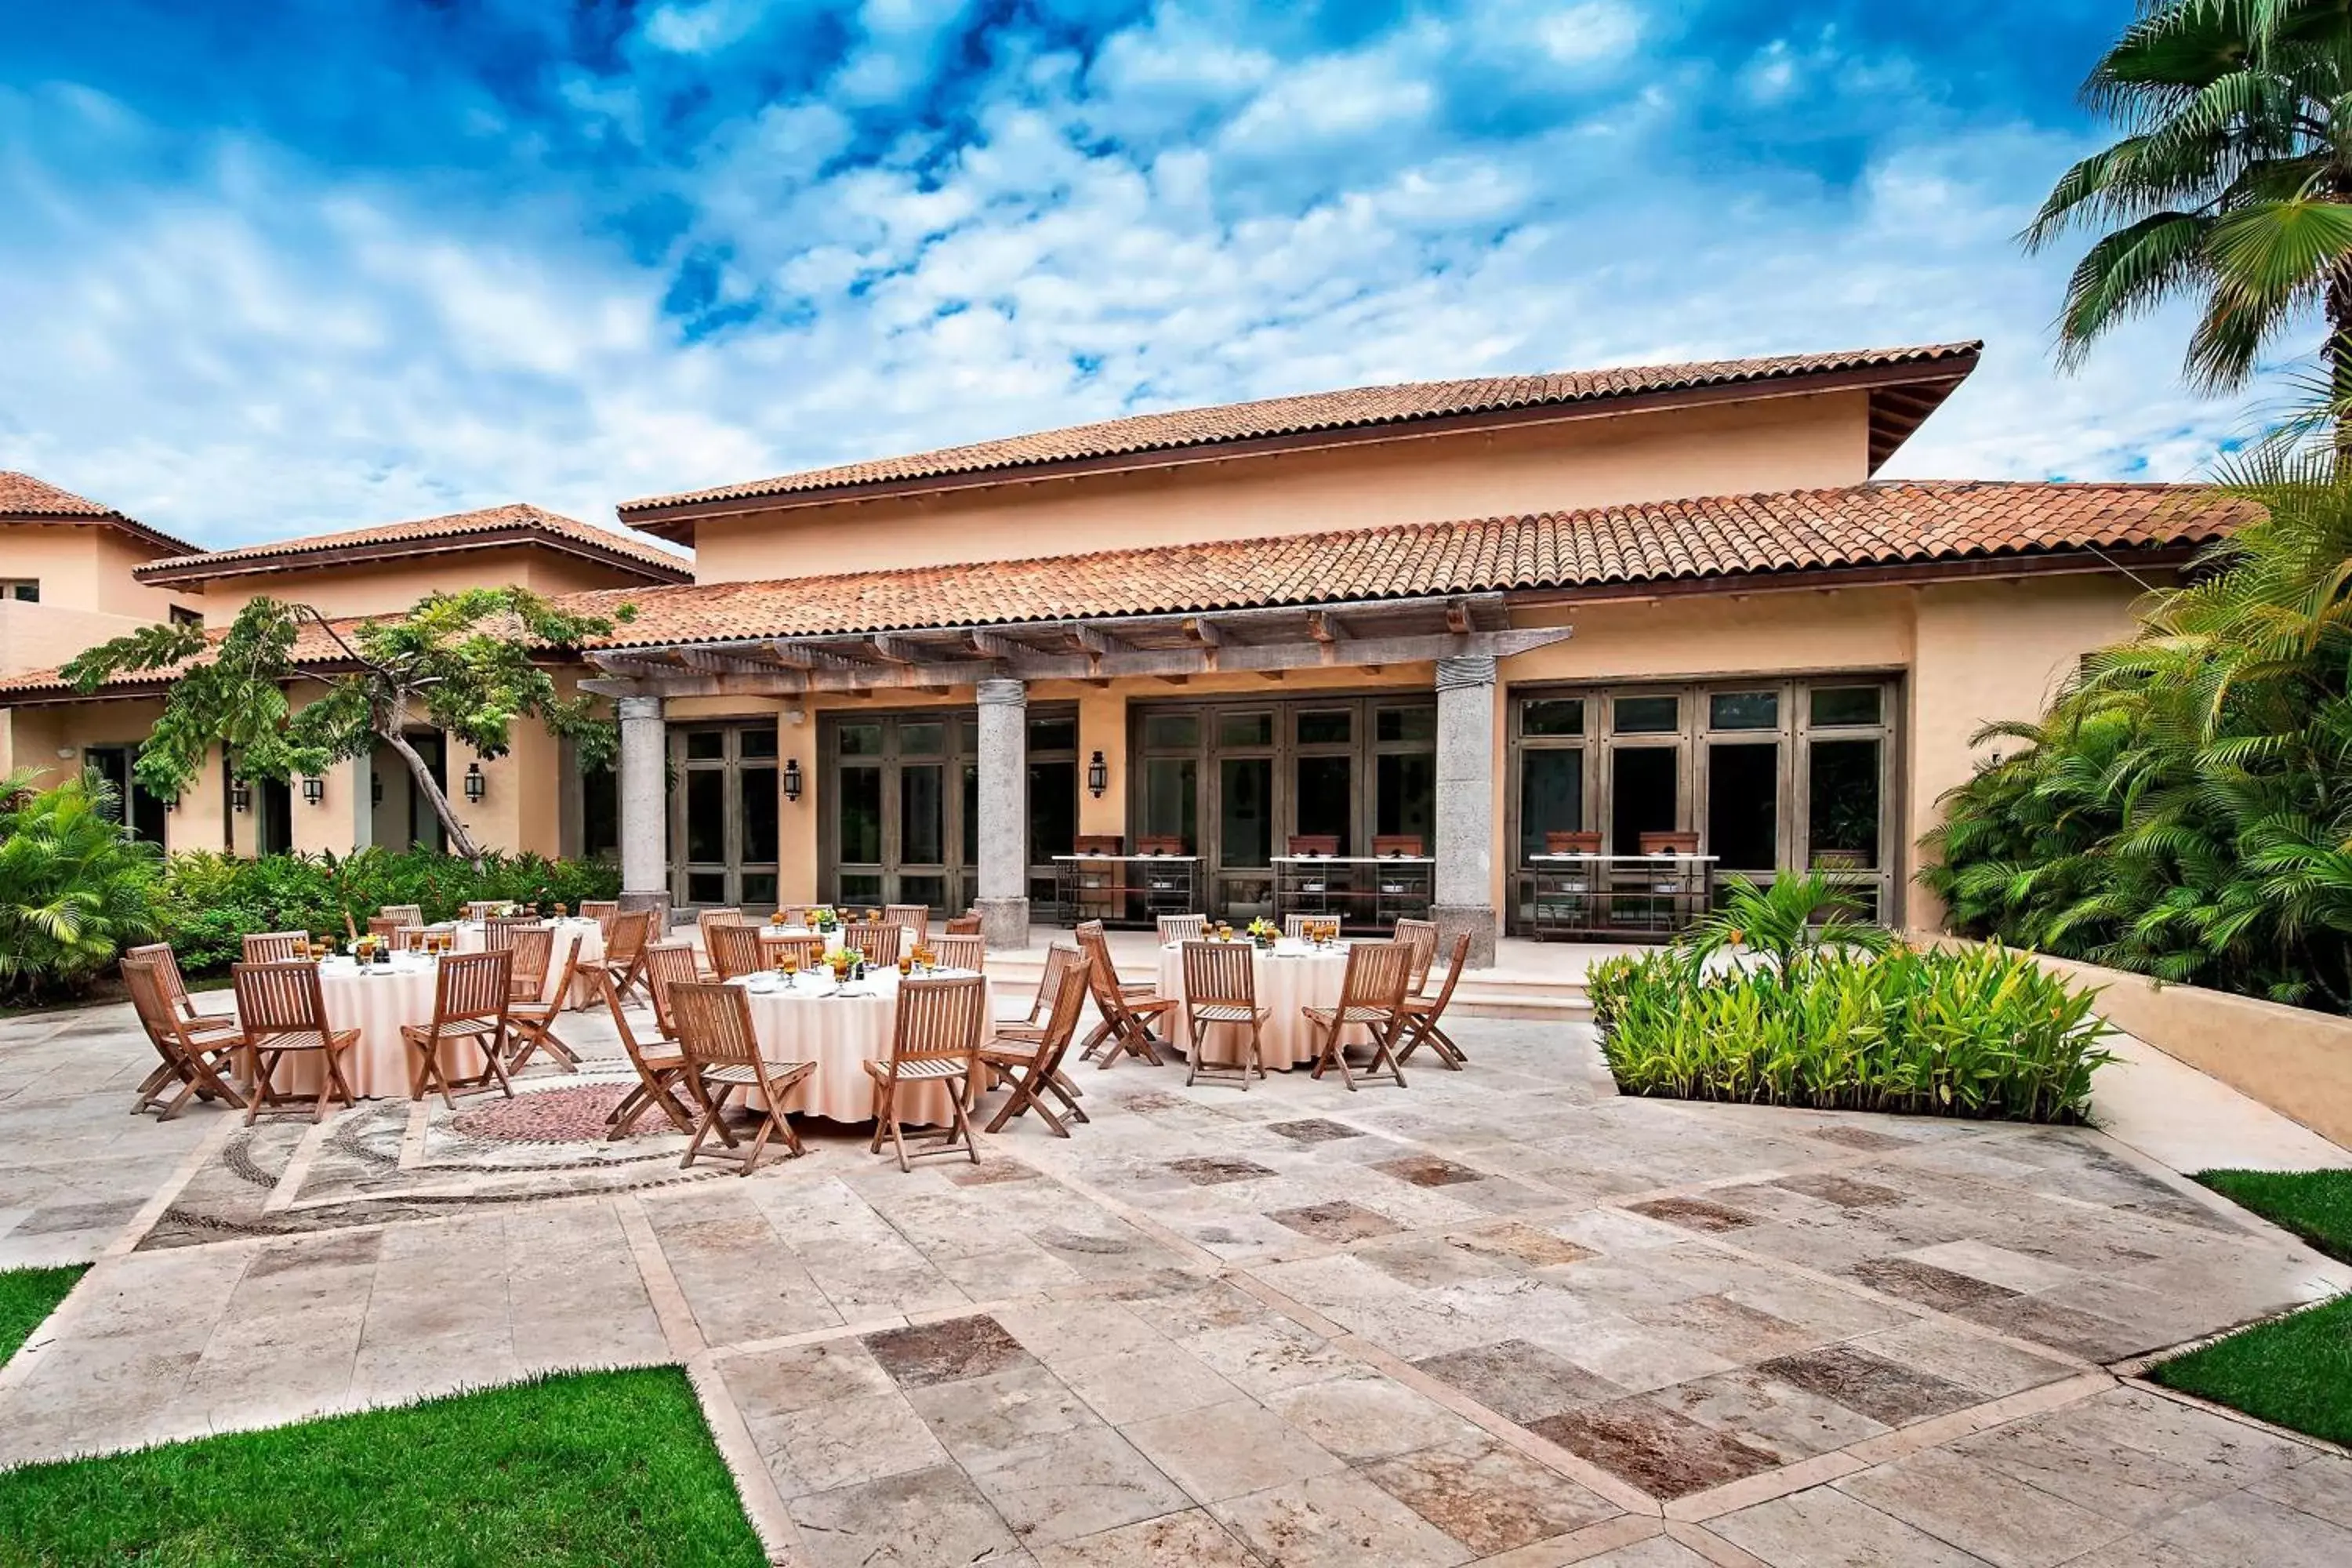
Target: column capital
pixel 1465 672
pixel 628 707
pixel 1002 693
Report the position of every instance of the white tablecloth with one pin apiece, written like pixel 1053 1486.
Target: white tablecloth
pixel 1294 975
pixel 376 1003
pixel 587 935
pixel 806 1022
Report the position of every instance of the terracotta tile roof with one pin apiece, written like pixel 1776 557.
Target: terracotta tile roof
pixel 1353 408
pixel 23 496
pixel 1874 524
pixel 1723 537
pixel 497 524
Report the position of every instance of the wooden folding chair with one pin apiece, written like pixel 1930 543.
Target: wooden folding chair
pixel 667 963
pixel 1094 939
pixel 602 912
pixel 1372 998
pixel 1174 929
pixel 1293 926
pixel 660 1064
pixel 960 952
pixel 1060 958
pixel 1034 1067
pixel 916 918
pixel 500 930
pixel 530 1019
pixel 175 989
pixel 964 925
pixel 735 951
pixel 385 926
pixel 407 939
pixel 1421 1014
pixel 877 942
pixel 194 1051
pixel 283 1013
pixel 1422 937
pixel 535 948
pixel 274 946
pixel 935 1038
pixel 625 949
pixel 1221 992
pixel 399 915
pixel 722 1055
pixel 706 922
pixel 482 908
pixel 469 1003
pixel 1125 1026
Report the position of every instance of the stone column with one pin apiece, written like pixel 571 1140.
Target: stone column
pixel 1004 902
pixel 1465 806
pixel 645 810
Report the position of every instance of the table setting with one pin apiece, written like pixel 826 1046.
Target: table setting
pixel 1289 974
pixel 841 1017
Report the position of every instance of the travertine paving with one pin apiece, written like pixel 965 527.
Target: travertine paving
pixel 1499 1315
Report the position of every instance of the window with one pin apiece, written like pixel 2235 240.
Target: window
pixel 1647 715
pixel 1552 716
pixel 1845 705
pixel 26 589
pixel 1744 710
pixel 184 617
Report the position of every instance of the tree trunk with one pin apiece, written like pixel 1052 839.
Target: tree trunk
pixel 459 842
pixel 2339 360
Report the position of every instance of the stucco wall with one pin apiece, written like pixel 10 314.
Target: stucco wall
pixel 83 566
pixel 1769 444
pixel 43 636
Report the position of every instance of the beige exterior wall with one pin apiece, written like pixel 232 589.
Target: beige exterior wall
pixel 43 636
pixel 84 567
pixel 1766 444
pixel 378 587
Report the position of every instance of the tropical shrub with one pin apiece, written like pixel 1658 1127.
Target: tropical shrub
pixel 74 889
pixel 1982 1032
pixel 208 901
pixel 2184 809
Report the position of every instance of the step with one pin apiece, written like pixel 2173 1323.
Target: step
pixel 1483 993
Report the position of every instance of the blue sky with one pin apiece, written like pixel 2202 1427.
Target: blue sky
pixel 275 267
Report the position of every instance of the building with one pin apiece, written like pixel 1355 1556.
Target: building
pixel 1362 650
pixel 536 801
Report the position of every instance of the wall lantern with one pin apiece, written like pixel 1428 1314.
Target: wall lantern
pixel 793 780
pixel 240 795
pixel 1098 775
pixel 475 783
pixel 375 787
pixel 314 788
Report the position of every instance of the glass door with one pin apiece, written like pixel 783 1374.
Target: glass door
pixel 1843 782
pixel 1743 811
pixel 1242 876
pixel 903 827
pixel 724 818
pixel 138 811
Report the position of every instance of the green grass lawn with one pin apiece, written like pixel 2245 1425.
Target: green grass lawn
pixel 27 1296
pixel 2295 1371
pixel 587 1467
pixel 2314 1205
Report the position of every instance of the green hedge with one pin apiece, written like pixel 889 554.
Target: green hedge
pixel 1983 1032
pixel 208 901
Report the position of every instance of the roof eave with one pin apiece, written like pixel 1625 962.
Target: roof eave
pixel 197 573
pixel 1912 390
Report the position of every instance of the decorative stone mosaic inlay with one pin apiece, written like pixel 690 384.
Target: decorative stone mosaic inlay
pixel 569 1115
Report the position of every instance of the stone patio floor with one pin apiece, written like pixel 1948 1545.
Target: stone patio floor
pixel 1501 1316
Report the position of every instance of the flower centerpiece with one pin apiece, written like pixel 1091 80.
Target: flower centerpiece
pixel 823 919
pixel 1263 931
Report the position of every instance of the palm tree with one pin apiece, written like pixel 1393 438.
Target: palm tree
pixel 2232 182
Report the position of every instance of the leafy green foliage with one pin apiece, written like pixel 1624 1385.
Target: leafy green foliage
pixel 2229 182
pixel 467 664
pixel 209 901
pixel 1983 1032
pixel 28 1296
pixel 1791 916
pixel 603 1469
pixel 74 889
pixel 2184 809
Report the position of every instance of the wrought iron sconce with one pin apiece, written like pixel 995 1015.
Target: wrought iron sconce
pixel 240 795
pixel 793 780
pixel 475 784
pixel 1098 775
pixel 375 787
pixel 314 788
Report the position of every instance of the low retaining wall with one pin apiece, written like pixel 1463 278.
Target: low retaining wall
pixel 2296 1061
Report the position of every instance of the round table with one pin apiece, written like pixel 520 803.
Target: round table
pixel 805 1021
pixel 376 999
pixel 1294 975
pixel 585 934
